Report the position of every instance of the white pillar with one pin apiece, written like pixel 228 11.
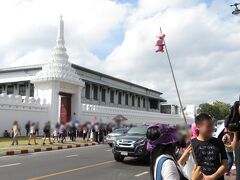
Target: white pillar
pixel 76 105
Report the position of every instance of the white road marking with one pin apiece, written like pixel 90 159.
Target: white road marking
pixel 8 165
pixel 140 174
pixel 73 155
pixel 109 150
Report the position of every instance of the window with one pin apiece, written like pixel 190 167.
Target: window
pixel 95 92
pixel 1 89
pixel 138 101
pixel 31 90
pixel 153 103
pixel 87 91
pixel 10 89
pixel 119 98
pixel 112 97
pixel 22 89
pixel 126 99
pixel 133 101
pixel 166 109
pixel 103 95
pixel 144 103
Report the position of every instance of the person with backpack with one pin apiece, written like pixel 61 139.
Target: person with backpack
pixel 47 132
pixel 162 143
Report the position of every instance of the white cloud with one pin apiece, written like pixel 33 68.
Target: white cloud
pixel 202 41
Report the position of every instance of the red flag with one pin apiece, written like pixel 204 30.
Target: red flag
pixel 160 43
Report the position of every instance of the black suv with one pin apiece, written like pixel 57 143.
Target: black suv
pixel 133 144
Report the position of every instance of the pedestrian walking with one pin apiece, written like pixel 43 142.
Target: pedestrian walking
pixel 210 153
pixel 73 131
pixel 27 127
pixel 96 133
pixel 32 134
pixel 15 133
pixel 37 129
pixel 92 134
pixel 56 133
pixel 85 132
pixel 62 132
pixel 89 132
pixel 229 150
pixel 101 133
pixel 47 132
pixel 161 143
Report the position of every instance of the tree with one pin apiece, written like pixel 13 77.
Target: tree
pixel 218 110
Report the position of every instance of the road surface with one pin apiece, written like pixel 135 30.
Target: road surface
pixel 90 163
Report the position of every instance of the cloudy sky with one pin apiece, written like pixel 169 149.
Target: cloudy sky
pixel 117 38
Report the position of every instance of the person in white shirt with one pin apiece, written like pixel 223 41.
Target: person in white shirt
pixel 161 143
pixel 32 134
pixel 56 133
pixel 15 133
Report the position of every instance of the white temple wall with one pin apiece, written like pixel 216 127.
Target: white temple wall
pixel 13 108
pixel 50 91
pixel 106 114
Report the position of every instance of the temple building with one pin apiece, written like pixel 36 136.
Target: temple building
pixel 59 90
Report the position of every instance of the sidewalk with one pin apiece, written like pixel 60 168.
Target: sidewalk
pixel 233 174
pixel 7 149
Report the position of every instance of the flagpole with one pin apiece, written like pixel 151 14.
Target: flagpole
pixel 178 94
pixel 174 79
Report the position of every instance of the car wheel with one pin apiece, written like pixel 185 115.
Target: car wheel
pixel 119 158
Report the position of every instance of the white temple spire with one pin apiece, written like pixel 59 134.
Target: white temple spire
pixel 60 36
pixel 59 52
pixel 58 67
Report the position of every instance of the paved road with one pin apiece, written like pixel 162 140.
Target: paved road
pixel 90 163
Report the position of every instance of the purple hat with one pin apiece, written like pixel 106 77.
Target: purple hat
pixel 161 134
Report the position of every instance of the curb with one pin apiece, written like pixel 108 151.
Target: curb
pixel 27 151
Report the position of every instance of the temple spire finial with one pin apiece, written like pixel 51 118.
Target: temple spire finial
pixel 59 52
pixel 61 29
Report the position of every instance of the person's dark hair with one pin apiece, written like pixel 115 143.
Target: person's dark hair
pixel 158 151
pixel 153 133
pixel 202 117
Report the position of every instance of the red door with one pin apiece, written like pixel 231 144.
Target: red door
pixel 65 110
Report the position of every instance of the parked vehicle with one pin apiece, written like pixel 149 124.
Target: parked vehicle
pixel 133 144
pixel 112 136
pixel 219 127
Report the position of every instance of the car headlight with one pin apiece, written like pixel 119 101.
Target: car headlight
pixel 140 142
pixel 114 143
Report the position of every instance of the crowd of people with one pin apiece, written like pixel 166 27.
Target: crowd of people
pixel 94 132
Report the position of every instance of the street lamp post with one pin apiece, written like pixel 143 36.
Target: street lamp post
pixel 236 10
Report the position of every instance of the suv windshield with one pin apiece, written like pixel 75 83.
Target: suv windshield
pixel 137 131
pixel 119 130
